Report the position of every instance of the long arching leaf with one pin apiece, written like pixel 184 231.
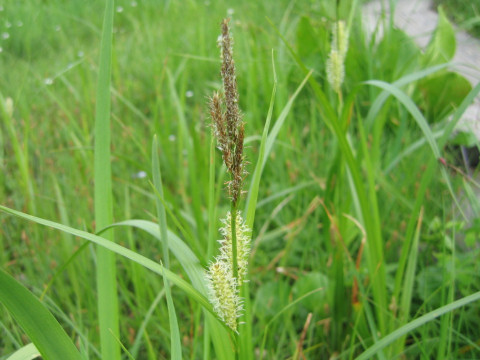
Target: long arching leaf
pixel 120 250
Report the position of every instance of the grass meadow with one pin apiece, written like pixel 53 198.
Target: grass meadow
pixel 363 217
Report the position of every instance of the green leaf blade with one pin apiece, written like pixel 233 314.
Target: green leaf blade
pixel 37 322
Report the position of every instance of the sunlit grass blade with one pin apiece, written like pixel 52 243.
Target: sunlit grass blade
pixel 37 322
pixel 176 346
pixel 106 267
pixel 28 352
pixel 393 336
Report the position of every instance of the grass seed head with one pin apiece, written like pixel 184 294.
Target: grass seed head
pixel 336 58
pixel 223 287
pixel 229 129
pixel 340 38
pixel 223 293
pixel 243 244
pixel 335 70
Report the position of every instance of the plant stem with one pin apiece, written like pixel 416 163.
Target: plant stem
pixel 233 226
pixel 234 241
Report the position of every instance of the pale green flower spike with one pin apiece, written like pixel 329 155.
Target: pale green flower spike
pixel 223 287
pixel 223 293
pixel 335 70
pixel 243 244
pixel 336 58
pixel 340 38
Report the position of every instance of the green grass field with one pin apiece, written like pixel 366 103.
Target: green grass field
pixel 365 223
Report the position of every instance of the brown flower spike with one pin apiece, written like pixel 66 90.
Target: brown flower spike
pixel 227 118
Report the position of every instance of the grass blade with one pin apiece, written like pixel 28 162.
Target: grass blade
pixel 252 196
pixel 195 272
pixel 28 352
pixel 120 250
pixel 409 282
pixel 393 336
pixel 106 270
pixel 176 346
pixel 38 323
pixel 412 109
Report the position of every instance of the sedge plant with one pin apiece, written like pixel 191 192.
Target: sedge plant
pixel 369 167
pixel 227 273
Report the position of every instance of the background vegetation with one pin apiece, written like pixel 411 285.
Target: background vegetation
pixel 365 218
pixel 465 13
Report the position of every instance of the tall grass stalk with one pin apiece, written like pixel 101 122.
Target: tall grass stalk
pixel 106 267
pixel 176 346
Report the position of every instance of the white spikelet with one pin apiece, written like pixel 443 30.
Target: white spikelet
pixel 223 287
